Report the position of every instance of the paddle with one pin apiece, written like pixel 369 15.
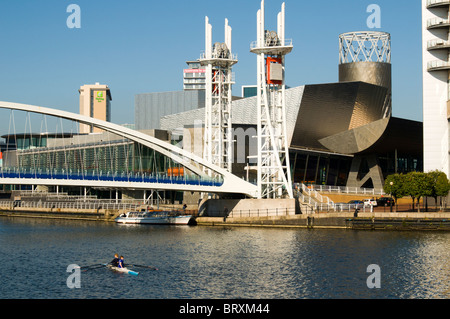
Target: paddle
pixel 91 267
pixel 143 266
pixel 96 266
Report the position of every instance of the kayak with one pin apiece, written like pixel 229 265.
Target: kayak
pixel 124 270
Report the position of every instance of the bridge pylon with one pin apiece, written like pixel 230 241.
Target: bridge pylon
pixel 218 60
pixel 271 47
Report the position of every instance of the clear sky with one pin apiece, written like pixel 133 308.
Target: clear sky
pixel 141 46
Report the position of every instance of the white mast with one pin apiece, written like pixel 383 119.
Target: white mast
pixel 218 60
pixel 274 171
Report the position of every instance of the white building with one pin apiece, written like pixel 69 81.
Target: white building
pixel 194 77
pixel 436 98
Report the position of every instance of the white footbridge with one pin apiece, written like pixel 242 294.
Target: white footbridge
pixel 196 181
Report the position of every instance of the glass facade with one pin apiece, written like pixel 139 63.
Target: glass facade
pixel 319 168
pixel 28 141
pixel 114 158
pixel 249 91
pixel 31 142
pixel 312 168
pixel 392 163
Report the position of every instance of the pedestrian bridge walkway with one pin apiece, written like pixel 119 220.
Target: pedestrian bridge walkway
pixel 129 178
pixel 116 158
pixel 112 181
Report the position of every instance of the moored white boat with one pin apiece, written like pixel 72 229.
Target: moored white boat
pixel 154 217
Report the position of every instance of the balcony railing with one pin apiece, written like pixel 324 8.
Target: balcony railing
pixel 438 65
pixel 437 23
pixel 229 57
pixel 437 3
pixel 437 44
pixel 287 43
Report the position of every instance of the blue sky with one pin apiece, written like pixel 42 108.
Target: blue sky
pixel 141 46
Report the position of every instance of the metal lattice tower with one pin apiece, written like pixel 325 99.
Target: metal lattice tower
pixel 218 59
pixel 274 174
pixel 365 46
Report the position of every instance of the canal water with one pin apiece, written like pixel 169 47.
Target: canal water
pixel 220 262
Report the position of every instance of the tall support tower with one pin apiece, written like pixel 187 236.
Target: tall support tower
pixel 218 60
pixel 436 84
pixel 274 172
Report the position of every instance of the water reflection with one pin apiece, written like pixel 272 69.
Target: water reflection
pixel 207 262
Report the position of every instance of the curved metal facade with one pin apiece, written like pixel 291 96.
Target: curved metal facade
pixel 330 109
pixel 376 73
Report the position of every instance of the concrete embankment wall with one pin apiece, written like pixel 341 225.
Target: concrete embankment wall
pixel 364 221
pixel 296 221
pixel 249 207
pixel 63 213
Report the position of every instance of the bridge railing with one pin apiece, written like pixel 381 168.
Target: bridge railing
pixel 108 176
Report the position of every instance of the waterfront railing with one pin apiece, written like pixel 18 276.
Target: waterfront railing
pixel 70 205
pixel 280 212
pixel 261 212
pixel 347 190
pixel 315 202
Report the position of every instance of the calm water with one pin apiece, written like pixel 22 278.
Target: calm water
pixel 217 263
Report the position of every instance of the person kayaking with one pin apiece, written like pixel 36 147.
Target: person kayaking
pixel 115 261
pixel 121 263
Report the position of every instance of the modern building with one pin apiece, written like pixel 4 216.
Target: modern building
pixel 194 77
pixel 340 133
pixel 436 96
pixel 89 155
pixel 150 107
pixel 95 101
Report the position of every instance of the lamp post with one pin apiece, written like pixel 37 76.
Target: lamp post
pixel 391 183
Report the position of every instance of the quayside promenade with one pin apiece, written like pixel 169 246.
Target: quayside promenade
pixel 289 213
pixel 437 221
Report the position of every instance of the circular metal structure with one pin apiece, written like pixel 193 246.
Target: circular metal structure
pixel 370 72
pixel 364 46
pixel 366 57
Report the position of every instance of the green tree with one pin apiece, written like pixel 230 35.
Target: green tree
pixel 394 185
pixel 440 186
pixel 418 185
